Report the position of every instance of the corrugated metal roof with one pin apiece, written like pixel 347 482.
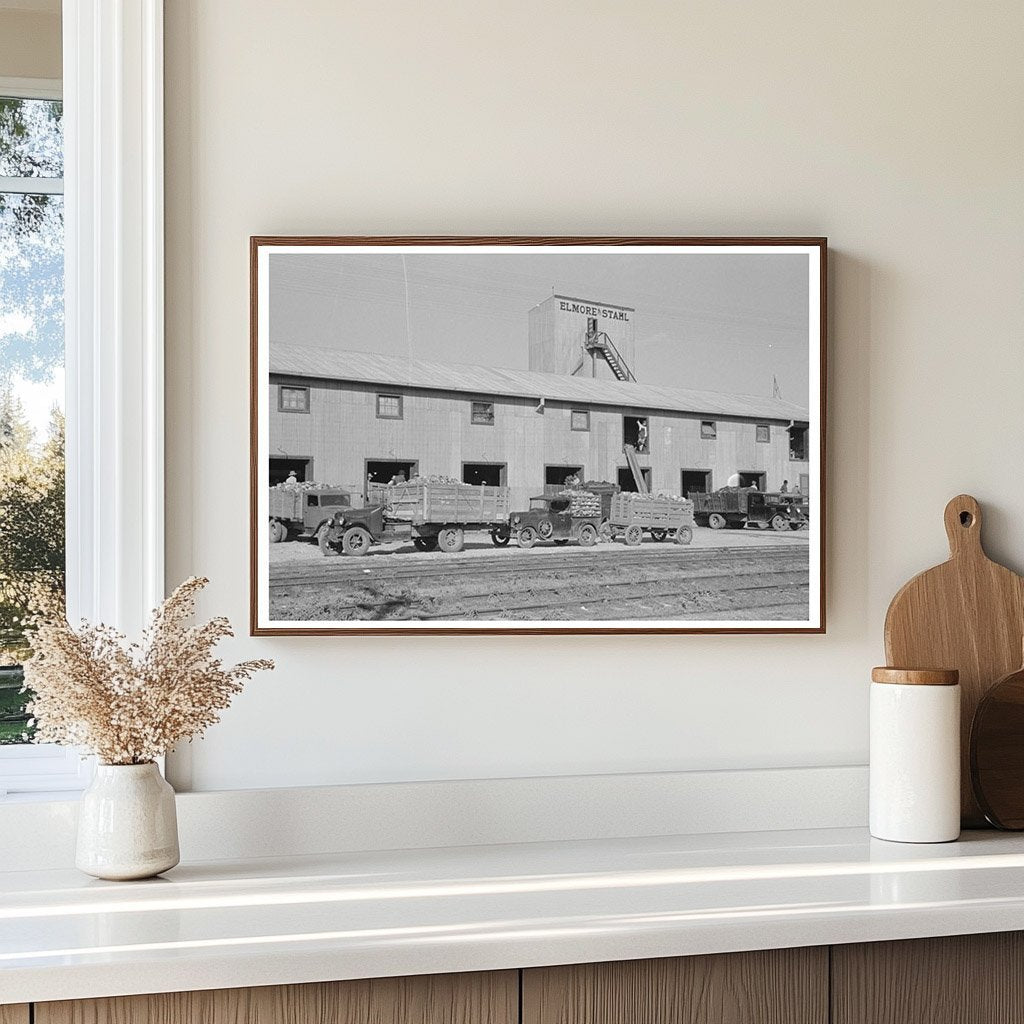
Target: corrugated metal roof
pixel 371 368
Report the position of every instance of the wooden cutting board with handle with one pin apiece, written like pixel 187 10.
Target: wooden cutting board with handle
pixel 967 614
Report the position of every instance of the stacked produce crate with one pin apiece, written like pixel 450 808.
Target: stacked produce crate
pixel 582 504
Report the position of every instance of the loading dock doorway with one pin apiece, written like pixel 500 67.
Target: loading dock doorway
pixel 555 477
pixel 753 479
pixel 694 481
pixel 383 471
pixel 635 432
pixel 281 469
pixel 626 481
pixel 490 474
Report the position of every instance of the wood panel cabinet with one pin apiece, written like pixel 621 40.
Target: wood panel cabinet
pixel 491 998
pixel 961 979
pixel 778 986
pixel 966 979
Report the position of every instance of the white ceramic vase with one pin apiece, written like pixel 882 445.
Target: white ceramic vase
pixel 127 825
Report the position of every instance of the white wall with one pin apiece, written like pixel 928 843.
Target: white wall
pixel 895 129
pixel 30 41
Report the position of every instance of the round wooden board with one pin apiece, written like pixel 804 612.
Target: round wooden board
pixel 997 752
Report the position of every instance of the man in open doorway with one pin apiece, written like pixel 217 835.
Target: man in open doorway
pixel 641 435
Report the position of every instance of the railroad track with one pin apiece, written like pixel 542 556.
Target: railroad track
pixel 358 570
pixel 787 584
pixel 590 605
pixel 689 578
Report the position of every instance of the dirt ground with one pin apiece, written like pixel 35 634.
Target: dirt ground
pixel 723 575
pixel 479 545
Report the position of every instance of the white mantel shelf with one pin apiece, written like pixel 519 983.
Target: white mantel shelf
pixel 227 924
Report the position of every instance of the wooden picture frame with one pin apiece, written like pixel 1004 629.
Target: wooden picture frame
pixel 360 322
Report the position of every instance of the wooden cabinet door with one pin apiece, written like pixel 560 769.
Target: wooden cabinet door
pixel 14 1014
pixel 961 979
pixel 778 986
pixel 484 998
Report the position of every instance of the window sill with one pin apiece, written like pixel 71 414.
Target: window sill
pixel 358 915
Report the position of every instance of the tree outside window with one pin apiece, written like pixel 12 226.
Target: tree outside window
pixel 31 386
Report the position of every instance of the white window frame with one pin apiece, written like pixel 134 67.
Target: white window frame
pixel 114 350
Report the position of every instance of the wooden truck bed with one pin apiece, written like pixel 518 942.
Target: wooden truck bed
pixel 722 501
pixel 629 509
pixel 285 503
pixel 420 504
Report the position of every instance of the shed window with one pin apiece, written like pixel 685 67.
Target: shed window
pixel 293 399
pixel 482 413
pixel 389 407
pixel 763 433
pixel 580 419
pixel 708 430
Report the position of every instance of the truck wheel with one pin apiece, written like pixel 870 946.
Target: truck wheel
pixel 634 536
pixel 605 533
pixel 326 547
pixel 425 543
pixel 500 537
pixel 684 535
pixel 659 535
pixel 780 523
pixel 588 535
pixel 716 521
pixel 451 539
pixel 277 532
pixel 545 528
pixel 356 542
pixel 526 537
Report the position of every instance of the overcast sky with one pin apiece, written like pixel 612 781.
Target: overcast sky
pixel 719 322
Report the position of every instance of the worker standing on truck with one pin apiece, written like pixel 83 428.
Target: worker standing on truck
pixel 398 478
pixel 641 435
pixel 293 478
pixel 785 487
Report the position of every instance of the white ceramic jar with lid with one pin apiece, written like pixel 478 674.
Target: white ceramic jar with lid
pixel 915 755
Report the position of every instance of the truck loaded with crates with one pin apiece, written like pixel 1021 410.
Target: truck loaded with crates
pixel 738 507
pixel 633 515
pixel 299 510
pixel 572 514
pixel 433 514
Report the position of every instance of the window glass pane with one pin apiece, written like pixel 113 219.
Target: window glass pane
pixel 389 406
pixel 708 429
pixel 31 138
pixel 763 433
pixel 295 398
pixel 580 419
pixel 483 412
pixel 31 426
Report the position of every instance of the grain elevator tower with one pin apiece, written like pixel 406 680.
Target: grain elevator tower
pixel 581 338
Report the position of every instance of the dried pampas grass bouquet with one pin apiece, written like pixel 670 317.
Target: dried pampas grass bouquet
pixel 129 703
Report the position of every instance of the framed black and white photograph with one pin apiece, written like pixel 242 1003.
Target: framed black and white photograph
pixel 537 435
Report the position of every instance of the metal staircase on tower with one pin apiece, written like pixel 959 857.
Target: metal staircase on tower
pixel 597 343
